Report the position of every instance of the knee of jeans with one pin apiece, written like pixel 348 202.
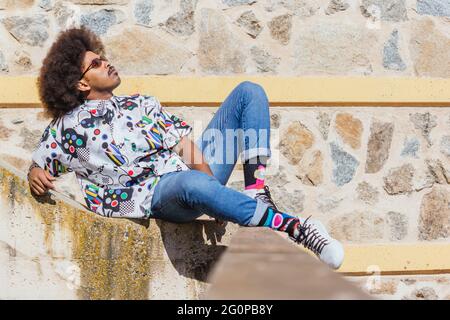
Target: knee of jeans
pixel 251 87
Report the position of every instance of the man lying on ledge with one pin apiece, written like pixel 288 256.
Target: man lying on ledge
pixel 134 159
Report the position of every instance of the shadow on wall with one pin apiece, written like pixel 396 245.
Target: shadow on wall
pixel 202 256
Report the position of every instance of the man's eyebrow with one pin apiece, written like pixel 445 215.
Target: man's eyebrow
pixel 98 57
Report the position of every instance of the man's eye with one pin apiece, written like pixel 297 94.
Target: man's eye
pixel 97 63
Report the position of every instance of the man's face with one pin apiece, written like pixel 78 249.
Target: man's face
pixel 100 78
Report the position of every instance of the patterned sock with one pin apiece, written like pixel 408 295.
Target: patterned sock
pixel 254 172
pixel 279 221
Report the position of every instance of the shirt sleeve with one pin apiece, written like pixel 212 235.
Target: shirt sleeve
pixel 175 128
pixel 49 155
pixel 172 127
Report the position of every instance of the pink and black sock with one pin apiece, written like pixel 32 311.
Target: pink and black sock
pixel 280 221
pixel 254 173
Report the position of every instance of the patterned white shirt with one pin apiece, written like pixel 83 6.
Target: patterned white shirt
pixel 118 148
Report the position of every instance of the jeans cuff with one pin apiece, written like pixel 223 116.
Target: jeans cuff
pixel 254 152
pixel 261 208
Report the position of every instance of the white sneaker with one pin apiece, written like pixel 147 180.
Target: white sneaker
pixel 312 235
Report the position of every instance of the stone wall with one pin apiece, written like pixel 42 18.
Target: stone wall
pixel 372 175
pixel 203 37
pixel 412 287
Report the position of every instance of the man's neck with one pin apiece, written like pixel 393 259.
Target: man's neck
pixel 99 95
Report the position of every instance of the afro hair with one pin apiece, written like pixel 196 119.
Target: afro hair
pixel 61 70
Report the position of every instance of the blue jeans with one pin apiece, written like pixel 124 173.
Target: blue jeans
pixel 240 127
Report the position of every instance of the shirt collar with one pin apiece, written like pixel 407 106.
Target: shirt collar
pixel 99 107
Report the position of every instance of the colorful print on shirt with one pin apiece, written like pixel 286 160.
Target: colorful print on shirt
pixel 118 148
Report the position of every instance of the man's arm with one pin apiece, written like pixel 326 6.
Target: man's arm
pixel 192 155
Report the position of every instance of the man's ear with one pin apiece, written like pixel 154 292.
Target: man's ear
pixel 83 86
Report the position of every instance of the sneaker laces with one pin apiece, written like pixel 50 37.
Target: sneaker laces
pixel 309 237
pixel 266 197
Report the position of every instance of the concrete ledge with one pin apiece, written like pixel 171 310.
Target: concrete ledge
pixel 21 91
pixel 260 265
pixel 50 249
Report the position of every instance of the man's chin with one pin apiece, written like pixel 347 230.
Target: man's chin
pixel 117 82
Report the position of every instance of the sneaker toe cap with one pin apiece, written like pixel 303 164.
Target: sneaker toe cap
pixel 334 255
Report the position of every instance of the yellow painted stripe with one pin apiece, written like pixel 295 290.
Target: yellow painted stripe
pixel 429 258
pixel 21 91
pixel 392 258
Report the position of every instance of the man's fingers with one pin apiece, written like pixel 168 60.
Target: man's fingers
pixel 48 184
pixel 42 184
pixel 37 190
pixel 38 182
pixel 49 176
pixel 49 179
